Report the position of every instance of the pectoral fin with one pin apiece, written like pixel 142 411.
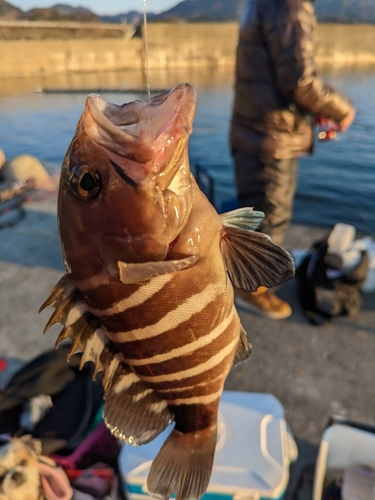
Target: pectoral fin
pixel 244 348
pixel 243 218
pixel 253 260
pixel 136 273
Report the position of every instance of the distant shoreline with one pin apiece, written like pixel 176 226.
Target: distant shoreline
pixel 171 46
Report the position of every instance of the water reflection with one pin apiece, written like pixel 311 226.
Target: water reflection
pixel 336 184
pixel 200 77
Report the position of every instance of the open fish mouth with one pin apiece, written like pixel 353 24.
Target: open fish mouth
pixel 142 131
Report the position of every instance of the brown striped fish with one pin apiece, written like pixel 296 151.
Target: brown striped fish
pixel 148 290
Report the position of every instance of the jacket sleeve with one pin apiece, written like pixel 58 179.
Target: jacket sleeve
pixel 289 34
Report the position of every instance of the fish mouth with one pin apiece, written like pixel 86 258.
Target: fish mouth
pixel 142 132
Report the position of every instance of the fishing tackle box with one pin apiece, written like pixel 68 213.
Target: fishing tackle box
pixel 253 452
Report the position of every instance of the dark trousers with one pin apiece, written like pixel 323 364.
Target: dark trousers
pixel 268 185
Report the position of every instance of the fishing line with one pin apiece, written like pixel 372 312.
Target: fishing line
pixel 147 71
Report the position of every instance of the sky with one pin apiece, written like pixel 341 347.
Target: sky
pixel 100 7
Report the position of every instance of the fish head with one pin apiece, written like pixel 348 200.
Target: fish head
pixel 125 186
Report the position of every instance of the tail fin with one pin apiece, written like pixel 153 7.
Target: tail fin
pixel 183 465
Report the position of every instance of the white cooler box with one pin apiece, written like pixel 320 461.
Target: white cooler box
pixel 341 448
pixel 253 452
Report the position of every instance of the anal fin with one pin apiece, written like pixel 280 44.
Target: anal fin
pixel 244 348
pixel 134 412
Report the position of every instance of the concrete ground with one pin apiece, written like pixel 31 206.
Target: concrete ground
pixel 314 371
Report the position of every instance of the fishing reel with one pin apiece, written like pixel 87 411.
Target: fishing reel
pixel 327 130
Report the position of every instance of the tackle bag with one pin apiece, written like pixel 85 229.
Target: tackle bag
pixel 52 400
pixel 329 284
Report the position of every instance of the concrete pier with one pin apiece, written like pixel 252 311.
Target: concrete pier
pixel 171 46
pixel 314 371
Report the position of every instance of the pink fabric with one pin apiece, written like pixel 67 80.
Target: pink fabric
pixel 55 483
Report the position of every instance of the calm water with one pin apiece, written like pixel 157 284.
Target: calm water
pixel 336 184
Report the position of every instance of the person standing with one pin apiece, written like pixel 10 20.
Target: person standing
pixel 278 96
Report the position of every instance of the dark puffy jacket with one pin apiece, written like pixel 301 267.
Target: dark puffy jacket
pixel 277 88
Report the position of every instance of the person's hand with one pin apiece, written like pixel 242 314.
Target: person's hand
pixel 347 121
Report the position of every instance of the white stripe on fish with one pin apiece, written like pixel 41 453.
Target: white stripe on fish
pixel 142 395
pixel 188 348
pixel 172 319
pixel 137 298
pixel 192 387
pixel 125 382
pixel 75 314
pixel 196 370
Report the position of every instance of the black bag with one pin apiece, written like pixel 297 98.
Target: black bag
pixel 322 297
pixel 75 399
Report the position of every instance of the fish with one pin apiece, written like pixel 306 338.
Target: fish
pixel 151 267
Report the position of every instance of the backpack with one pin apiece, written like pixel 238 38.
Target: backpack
pixel 325 289
pixel 75 400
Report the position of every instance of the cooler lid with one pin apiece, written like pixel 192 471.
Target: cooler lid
pixel 251 451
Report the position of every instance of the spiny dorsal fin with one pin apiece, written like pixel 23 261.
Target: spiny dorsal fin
pixel 243 218
pixel 136 273
pixel 244 348
pixel 253 260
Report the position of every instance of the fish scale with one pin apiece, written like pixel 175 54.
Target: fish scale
pixel 148 293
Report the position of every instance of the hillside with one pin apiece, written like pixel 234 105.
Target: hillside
pixel 129 17
pixel 59 12
pixel 8 11
pixel 344 11
pixel 205 10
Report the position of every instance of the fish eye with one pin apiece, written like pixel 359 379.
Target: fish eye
pixel 85 182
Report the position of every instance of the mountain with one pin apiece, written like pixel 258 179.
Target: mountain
pixel 129 17
pixel 346 11
pixel 8 11
pixel 62 12
pixel 59 12
pixel 204 10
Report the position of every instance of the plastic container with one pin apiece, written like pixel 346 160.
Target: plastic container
pixel 341 448
pixel 253 452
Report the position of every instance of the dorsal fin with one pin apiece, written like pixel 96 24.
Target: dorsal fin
pixel 244 348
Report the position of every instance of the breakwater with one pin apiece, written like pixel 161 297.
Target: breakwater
pixel 171 46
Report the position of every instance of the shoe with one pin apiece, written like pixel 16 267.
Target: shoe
pixel 263 302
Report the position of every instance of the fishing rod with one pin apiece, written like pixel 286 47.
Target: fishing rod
pixel 329 130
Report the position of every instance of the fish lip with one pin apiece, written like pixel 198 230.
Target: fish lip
pixel 112 118
pixel 172 114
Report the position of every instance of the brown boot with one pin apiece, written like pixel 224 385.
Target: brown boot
pixel 263 302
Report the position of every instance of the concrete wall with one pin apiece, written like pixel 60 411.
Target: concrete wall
pixel 346 45
pixel 34 57
pixel 201 44
pixel 170 46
